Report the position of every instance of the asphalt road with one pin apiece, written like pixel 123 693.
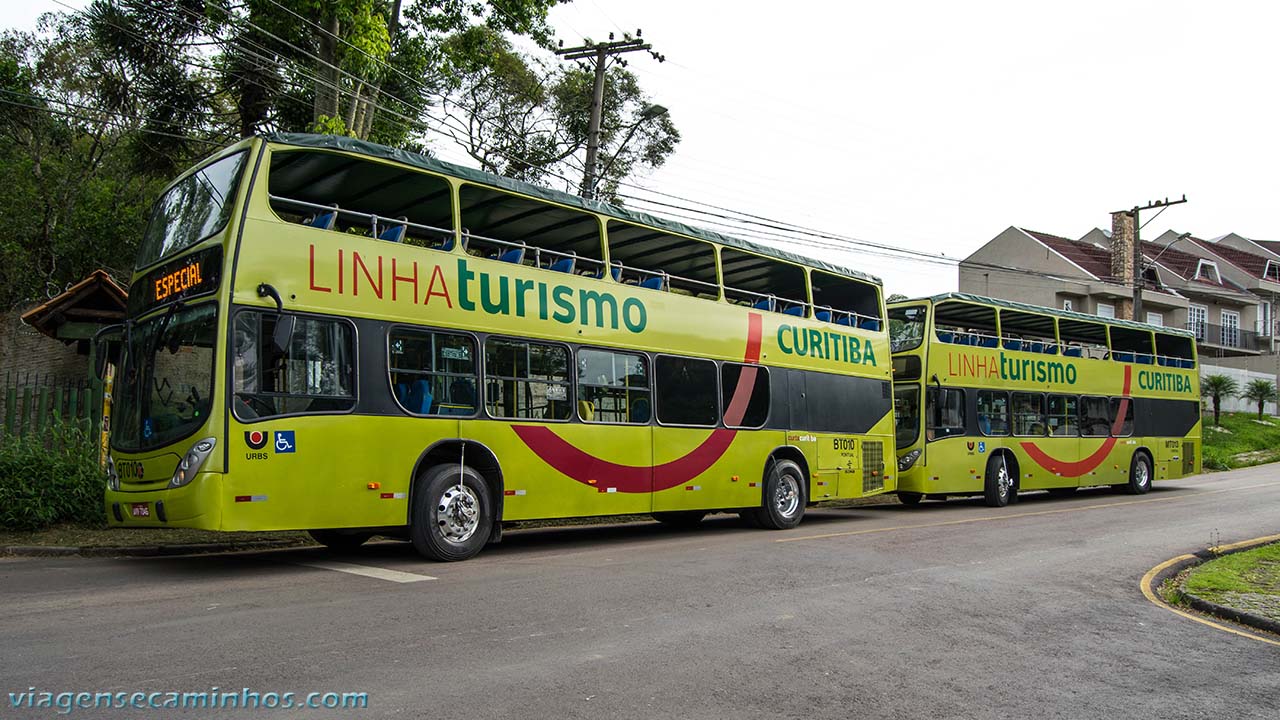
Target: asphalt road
pixel 945 610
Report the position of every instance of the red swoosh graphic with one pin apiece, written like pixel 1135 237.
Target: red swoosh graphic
pixel 1080 467
pixel 591 470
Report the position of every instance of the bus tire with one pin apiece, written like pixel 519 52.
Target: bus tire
pixel 1139 474
pixel 339 541
pixel 452 513
pixel 998 483
pixel 782 504
pixel 910 498
pixel 680 518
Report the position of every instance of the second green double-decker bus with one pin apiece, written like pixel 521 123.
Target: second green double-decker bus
pixel 334 336
pixel 995 397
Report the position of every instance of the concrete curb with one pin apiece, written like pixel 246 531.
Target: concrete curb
pixel 1225 612
pixel 142 550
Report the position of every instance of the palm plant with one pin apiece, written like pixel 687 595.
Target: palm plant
pixel 1260 392
pixel 1216 387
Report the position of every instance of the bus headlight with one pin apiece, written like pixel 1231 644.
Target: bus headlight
pixel 906 461
pixel 191 462
pixel 113 477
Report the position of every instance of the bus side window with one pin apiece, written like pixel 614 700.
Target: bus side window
pixel 315 374
pixel 686 391
pixel 993 412
pixel 527 380
pixel 433 373
pixel 1126 424
pixel 613 387
pixel 1095 417
pixel 945 414
pixel 1062 416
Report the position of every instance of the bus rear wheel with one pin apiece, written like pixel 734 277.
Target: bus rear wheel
pixel 338 540
pixel 452 513
pixel 1139 474
pixel 998 486
pixel 782 505
pixel 910 498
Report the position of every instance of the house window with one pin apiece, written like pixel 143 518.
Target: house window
pixel 1272 271
pixel 1066 305
pixel 1198 321
pixel 1230 328
pixel 1106 310
pixel 1207 270
pixel 1155 319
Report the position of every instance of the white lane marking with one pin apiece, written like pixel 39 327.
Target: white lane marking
pixel 367 571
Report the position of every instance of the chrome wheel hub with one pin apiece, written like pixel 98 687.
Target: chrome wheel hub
pixel 1141 474
pixel 458 514
pixel 786 496
pixel 1003 481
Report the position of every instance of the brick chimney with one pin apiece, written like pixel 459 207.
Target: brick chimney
pixel 1122 232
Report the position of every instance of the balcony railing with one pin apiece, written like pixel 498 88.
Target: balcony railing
pixel 1225 336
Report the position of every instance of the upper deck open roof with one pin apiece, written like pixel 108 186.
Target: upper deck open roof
pixel 351 145
pixel 1066 314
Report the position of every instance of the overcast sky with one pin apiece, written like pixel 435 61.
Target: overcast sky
pixel 935 125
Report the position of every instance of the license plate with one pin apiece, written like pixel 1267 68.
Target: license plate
pixel 141 510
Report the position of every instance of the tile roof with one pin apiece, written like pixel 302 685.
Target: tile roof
pixel 1184 264
pixel 1094 259
pixel 1272 245
pixel 1255 265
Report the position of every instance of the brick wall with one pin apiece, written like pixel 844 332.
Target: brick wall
pixel 26 353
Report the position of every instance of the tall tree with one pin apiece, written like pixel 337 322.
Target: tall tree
pixel 529 119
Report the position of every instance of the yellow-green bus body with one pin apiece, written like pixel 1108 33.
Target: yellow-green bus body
pixel 355 467
pixel 941 457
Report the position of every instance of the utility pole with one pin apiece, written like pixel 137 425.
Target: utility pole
pixel 601 52
pixel 1137 249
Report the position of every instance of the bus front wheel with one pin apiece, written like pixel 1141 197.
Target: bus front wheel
pixel 998 487
pixel 452 513
pixel 1139 474
pixel 782 505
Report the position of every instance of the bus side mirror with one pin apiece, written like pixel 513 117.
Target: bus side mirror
pixel 282 336
pixel 107 345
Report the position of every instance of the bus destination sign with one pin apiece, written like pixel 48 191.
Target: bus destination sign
pixel 190 276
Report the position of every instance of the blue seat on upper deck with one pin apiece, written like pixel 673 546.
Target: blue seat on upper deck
pixel 797 310
pixel 394 233
pixel 655 282
pixel 564 265
pixel 514 256
pixel 324 220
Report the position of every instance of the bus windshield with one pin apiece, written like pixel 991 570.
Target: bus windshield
pixel 192 210
pixel 164 388
pixel 906 327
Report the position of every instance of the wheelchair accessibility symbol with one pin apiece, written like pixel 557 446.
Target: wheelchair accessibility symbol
pixel 284 441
